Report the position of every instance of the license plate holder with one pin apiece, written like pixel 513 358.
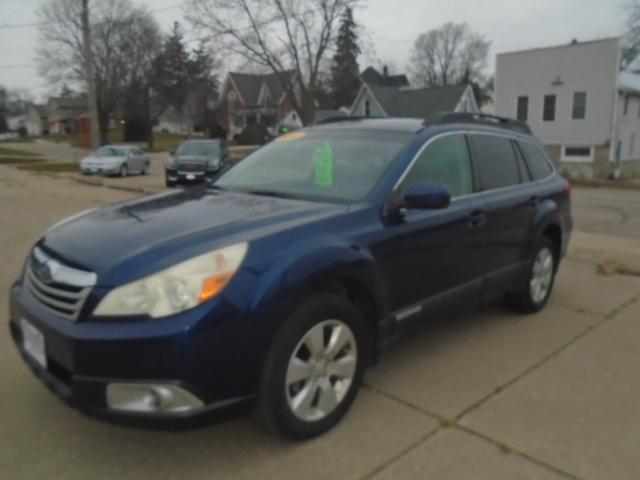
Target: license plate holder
pixel 33 343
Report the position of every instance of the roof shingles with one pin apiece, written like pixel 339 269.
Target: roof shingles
pixel 418 103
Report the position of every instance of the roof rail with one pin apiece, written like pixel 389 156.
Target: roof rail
pixel 479 118
pixel 337 119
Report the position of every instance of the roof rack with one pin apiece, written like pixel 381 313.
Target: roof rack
pixel 337 119
pixel 479 118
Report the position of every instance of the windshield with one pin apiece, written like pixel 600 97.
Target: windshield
pixel 198 149
pixel 339 166
pixel 110 152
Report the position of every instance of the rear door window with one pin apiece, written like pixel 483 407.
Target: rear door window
pixel 497 163
pixel 445 162
pixel 537 161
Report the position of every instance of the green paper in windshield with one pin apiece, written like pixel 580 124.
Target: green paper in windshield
pixel 323 161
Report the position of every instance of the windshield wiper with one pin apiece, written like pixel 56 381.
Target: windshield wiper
pixel 272 193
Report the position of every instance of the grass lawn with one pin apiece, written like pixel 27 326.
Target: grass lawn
pixel 18 140
pixel 50 167
pixel 17 153
pixel 162 142
pixel 19 160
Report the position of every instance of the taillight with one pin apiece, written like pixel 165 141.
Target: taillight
pixel 568 189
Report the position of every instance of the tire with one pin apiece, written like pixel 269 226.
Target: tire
pixel 330 396
pixel 534 295
pixel 145 169
pixel 169 183
pixel 124 171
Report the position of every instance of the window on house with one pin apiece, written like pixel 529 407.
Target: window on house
pixel 626 104
pixel 367 108
pixel 549 112
pixel 579 105
pixel 522 113
pixel 577 151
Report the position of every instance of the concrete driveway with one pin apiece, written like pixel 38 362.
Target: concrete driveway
pixel 487 395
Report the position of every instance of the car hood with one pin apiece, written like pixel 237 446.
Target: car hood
pixel 144 234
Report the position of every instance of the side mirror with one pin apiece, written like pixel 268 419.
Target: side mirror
pixel 427 196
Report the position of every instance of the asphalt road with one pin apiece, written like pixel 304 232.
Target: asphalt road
pixel 488 395
pixel 607 211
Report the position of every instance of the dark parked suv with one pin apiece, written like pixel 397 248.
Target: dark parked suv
pixel 195 161
pixel 277 284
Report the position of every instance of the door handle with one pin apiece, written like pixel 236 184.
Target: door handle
pixel 534 201
pixel 476 219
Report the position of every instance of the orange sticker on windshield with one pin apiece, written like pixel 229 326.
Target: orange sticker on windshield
pixel 290 137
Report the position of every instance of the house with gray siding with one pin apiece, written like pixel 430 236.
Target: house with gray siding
pixel 578 102
pixel 382 101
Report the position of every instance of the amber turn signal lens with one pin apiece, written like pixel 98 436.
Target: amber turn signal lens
pixel 213 285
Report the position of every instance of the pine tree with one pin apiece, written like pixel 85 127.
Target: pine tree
pixel 172 69
pixel 345 79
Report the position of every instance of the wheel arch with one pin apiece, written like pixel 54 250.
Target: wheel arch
pixel 343 269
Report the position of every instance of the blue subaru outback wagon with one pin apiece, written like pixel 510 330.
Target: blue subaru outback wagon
pixel 278 283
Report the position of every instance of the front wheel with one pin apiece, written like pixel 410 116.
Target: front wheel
pixel 314 368
pixel 534 296
pixel 124 171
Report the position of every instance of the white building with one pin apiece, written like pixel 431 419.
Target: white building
pixel 172 121
pixel 578 102
pixel 36 120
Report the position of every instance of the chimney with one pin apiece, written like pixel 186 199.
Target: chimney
pixel 385 72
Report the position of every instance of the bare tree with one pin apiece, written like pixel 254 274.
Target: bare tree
pixel 278 34
pixel 89 74
pixel 449 55
pixel 114 24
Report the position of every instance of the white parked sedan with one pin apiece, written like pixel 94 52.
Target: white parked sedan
pixel 119 160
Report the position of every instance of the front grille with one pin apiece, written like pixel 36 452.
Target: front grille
pixel 57 287
pixel 192 167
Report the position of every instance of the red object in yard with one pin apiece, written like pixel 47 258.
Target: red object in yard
pixel 84 124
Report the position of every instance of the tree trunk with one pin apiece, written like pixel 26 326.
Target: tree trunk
pixel 89 72
pixel 103 123
pixel 147 105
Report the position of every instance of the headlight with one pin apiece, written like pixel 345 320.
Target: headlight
pixel 213 163
pixel 171 163
pixel 178 288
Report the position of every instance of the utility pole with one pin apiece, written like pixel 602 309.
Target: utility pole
pixel 91 80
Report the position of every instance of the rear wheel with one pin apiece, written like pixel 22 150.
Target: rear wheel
pixel 145 169
pixel 314 368
pixel 533 296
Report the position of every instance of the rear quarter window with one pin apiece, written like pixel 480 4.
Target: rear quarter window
pixel 497 162
pixel 537 161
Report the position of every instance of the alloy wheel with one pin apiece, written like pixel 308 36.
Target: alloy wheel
pixel 321 370
pixel 542 275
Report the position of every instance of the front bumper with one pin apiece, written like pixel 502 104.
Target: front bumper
pixel 84 358
pixel 100 170
pixel 180 176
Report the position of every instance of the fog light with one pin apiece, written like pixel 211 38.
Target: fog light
pixel 151 398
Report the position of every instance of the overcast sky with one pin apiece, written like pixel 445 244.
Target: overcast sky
pixel 391 26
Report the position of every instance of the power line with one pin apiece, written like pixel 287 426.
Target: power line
pixel 20 25
pixel 4 26
pixel 18 66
